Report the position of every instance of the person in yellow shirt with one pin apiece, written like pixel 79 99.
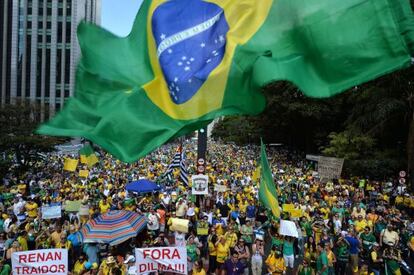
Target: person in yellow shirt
pixel 212 252
pixel 31 208
pixel 399 200
pixel 104 206
pixel 223 251
pixel 360 224
pixel 231 237
pixel 275 262
pixel 79 265
pixel 198 268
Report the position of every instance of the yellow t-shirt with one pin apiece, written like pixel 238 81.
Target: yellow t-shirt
pixel 212 249
pixel 360 225
pixel 78 268
pixel 201 272
pixel 275 265
pixel 31 209
pixel 231 238
pixel 399 200
pixel 23 243
pixel 104 207
pixel 222 252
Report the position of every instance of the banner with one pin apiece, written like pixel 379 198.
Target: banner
pixel 180 225
pixel 220 188
pixel 330 168
pixel 199 184
pixel 46 261
pixel 72 206
pixel 161 259
pixel 51 212
pixel 288 228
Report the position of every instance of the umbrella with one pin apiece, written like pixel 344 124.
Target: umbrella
pixel 142 186
pixel 113 227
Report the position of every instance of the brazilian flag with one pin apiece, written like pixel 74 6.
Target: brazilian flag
pixel 187 62
pixel 267 190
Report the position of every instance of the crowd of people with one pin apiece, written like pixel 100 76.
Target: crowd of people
pixel 345 226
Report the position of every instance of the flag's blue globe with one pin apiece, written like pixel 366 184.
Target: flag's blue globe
pixel 191 40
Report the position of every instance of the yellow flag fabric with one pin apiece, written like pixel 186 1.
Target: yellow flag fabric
pixel 70 164
pixel 256 174
pixel 83 173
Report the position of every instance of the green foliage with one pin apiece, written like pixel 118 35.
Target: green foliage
pixel 367 125
pixel 348 145
pixel 18 143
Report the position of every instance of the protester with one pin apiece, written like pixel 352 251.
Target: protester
pixel 342 224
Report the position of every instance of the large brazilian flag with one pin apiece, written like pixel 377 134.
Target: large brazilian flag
pixel 187 62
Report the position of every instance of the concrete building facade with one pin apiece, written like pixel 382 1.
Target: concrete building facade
pixel 40 49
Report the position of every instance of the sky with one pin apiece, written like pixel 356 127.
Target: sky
pixel 118 15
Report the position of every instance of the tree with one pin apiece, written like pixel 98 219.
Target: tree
pixel 18 142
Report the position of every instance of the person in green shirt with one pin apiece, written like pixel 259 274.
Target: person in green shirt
pixel 367 239
pixel 5 269
pixel 392 260
pixel 306 226
pixel 322 261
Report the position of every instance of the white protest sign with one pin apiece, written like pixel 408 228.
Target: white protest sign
pixel 46 261
pixel 161 259
pixel 220 188
pixel 288 228
pixel 330 168
pixel 312 157
pixel 200 185
pixel 51 212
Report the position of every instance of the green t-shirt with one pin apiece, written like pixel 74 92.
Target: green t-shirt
pixel 305 271
pixel 367 240
pixel 277 242
pixel 6 270
pixel 287 248
pixel 321 262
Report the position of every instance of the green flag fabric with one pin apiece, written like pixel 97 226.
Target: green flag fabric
pixel 267 190
pixel 187 62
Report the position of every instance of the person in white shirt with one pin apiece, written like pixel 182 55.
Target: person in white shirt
pixel 130 265
pixel 153 221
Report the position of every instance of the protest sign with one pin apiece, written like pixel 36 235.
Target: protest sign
pixel 296 213
pixel 220 188
pixel 46 261
pixel 330 168
pixel 161 259
pixel 72 206
pixel 288 228
pixel 200 184
pixel 83 173
pixel 312 157
pixel 288 207
pixel 51 212
pixel 180 225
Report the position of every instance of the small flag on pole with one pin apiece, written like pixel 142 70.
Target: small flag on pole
pixel 178 162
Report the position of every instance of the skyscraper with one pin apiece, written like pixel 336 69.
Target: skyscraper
pixel 40 49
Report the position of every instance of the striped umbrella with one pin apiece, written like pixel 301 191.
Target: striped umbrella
pixel 113 227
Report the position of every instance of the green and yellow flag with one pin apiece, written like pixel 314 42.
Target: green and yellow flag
pixel 88 156
pixel 70 164
pixel 267 190
pixel 187 62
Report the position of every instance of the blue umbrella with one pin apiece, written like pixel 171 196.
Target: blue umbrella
pixel 142 186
